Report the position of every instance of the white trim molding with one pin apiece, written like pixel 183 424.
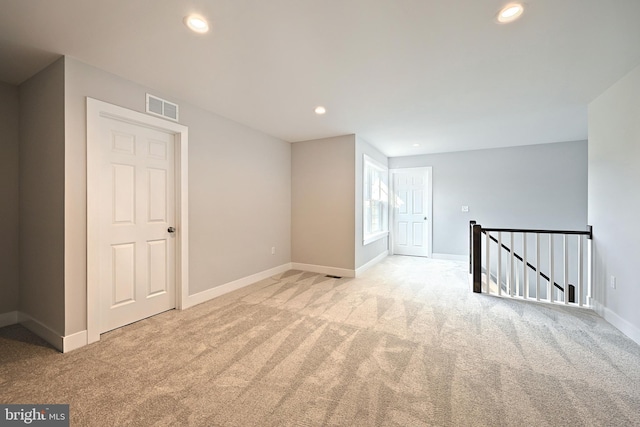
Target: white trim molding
pixel 10 318
pixel 212 293
pixel 372 166
pixel 322 269
pixel 375 237
pixel 81 338
pixel 451 257
pixel 96 110
pixel 74 341
pixel 42 330
pixel 371 263
pixel 59 342
pixel 618 322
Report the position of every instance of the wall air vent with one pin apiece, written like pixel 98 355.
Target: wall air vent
pixel 161 107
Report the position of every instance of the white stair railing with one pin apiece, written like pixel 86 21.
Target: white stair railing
pixel 559 271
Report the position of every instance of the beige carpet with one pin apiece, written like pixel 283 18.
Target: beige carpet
pixel 405 345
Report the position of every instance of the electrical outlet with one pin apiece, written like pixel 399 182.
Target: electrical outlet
pixel 273 250
pixel 465 209
pixel 612 282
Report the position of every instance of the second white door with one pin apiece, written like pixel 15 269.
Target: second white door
pixel 137 246
pixel 411 213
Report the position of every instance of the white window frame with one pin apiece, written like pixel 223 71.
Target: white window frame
pixel 374 194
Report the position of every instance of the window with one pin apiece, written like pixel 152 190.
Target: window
pixel 375 194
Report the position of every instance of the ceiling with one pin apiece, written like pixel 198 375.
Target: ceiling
pixel 439 73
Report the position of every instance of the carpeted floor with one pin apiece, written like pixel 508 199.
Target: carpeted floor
pixel 405 345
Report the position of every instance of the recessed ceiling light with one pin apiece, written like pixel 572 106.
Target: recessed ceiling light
pixel 510 13
pixel 196 23
pixel 416 145
pixel 320 110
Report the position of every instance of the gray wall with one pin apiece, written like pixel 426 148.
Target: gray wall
pixel 614 174
pixel 323 202
pixel 365 253
pixel 239 200
pixel 42 192
pixel 9 209
pixel 239 190
pixel 535 186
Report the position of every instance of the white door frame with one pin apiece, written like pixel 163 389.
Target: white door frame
pixel 428 171
pixel 96 110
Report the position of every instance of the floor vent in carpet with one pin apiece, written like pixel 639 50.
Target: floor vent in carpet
pixel 333 277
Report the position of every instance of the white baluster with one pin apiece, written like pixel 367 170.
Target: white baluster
pixel 511 271
pixel 499 272
pixel 524 266
pixel 488 261
pixel 516 276
pixel 565 247
pixel 580 270
pixel 551 275
pixel 537 267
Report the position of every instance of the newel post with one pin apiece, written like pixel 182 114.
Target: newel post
pixel 471 224
pixel 476 251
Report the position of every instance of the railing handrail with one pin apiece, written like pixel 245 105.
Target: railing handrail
pixel 533 231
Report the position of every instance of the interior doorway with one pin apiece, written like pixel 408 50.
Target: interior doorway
pixel 411 211
pixel 137 233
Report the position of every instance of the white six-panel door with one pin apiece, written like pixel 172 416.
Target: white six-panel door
pixel 137 250
pixel 411 214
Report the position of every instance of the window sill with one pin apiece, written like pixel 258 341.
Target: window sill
pixel 374 237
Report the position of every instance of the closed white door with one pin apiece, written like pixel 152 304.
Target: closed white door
pixel 137 215
pixel 411 217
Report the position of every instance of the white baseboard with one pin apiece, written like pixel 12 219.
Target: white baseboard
pixel 209 294
pixel 61 343
pixel 623 325
pixel 322 269
pixel 74 341
pixel 450 257
pixel 41 330
pixel 371 263
pixel 80 339
pixel 10 318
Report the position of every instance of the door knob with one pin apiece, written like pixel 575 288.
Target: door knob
pixel 425 218
pixel 171 230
